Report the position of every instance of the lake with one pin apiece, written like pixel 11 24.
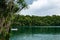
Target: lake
pixel 34 33
pixel 36 37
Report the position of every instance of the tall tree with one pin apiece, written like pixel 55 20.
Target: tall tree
pixel 8 8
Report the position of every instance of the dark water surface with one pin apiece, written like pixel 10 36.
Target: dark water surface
pixel 36 33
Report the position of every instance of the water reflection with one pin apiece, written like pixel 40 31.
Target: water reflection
pixel 36 37
pixel 36 33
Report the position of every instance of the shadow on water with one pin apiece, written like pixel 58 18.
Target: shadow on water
pixel 36 33
pixel 36 30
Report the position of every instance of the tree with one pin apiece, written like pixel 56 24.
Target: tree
pixel 8 8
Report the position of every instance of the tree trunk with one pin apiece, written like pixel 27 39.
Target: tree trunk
pixel 4 29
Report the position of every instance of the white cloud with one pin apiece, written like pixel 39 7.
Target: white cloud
pixel 54 1
pixel 38 4
pixel 43 7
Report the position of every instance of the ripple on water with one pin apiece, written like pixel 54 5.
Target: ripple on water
pixel 36 37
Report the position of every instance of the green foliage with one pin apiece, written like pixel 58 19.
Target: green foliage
pixel 9 7
pixel 21 20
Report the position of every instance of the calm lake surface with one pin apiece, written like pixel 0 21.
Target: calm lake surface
pixel 35 35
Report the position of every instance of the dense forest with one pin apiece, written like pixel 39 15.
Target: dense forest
pixel 21 20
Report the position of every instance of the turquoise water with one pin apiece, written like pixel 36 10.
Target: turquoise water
pixel 36 33
pixel 36 37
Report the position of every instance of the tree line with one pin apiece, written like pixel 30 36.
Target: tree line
pixel 21 20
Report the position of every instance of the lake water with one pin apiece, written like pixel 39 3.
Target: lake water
pixel 36 34
pixel 36 37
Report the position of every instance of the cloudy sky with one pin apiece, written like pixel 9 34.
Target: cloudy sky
pixel 42 7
